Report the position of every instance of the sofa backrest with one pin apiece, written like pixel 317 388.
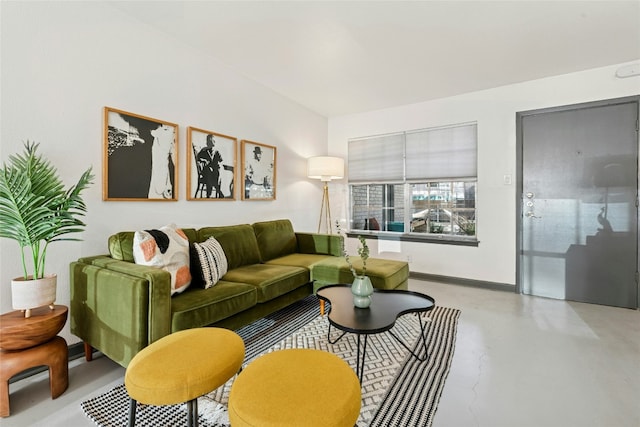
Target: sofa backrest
pixel 275 238
pixel 121 244
pixel 238 242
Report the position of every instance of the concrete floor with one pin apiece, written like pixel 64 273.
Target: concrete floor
pixel 519 361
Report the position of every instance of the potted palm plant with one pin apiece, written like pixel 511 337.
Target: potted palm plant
pixel 35 210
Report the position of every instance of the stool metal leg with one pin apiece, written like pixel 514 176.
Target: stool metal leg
pixel 132 412
pixel 192 413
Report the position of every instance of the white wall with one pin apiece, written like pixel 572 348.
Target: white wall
pixel 494 260
pixel 62 62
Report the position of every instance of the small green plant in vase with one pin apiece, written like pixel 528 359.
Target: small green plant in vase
pixel 362 289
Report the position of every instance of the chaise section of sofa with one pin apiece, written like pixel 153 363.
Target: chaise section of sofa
pixel 385 274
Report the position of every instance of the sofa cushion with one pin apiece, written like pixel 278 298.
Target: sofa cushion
pixel 210 261
pixel 275 238
pixel 201 307
pixel 238 241
pixel 298 260
pixel 166 248
pixel 271 281
pixel 315 243
pixel 121 244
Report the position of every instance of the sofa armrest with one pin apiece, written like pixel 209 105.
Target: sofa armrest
pixel 119 307
pixel 321 244
pixel 159 292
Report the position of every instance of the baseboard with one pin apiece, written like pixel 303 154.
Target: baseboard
pixel 463 282
pixel 75 351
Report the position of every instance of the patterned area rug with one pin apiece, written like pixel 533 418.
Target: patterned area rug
pixel 397 389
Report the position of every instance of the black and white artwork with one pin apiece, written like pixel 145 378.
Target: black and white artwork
pixel 258 171
pixel 211 166
pixel 140 157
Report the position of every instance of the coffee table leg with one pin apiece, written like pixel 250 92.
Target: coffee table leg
pixel 360 358
pixel 424 339
pixel 329 336
pixel 364 353
pixel 424 342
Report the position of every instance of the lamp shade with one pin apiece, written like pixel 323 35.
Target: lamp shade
pixel 325 168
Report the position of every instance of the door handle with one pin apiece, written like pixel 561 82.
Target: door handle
pixel 530 214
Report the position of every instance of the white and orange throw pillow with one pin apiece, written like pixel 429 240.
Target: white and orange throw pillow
pixel 166 248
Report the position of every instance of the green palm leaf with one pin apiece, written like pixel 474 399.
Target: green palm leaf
pixel 35 207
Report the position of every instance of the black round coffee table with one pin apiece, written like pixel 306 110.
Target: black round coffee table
pixel 386 306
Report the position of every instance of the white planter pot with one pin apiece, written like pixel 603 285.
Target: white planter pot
pixel 28 293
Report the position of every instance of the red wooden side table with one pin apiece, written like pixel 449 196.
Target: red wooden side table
pixel 29 342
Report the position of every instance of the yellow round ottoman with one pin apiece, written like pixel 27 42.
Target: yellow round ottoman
pixel 183 366
pixel 297 388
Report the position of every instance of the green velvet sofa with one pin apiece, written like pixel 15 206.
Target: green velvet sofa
pixel 119 307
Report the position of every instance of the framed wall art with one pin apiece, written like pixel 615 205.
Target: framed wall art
pixel 258 171
pixel 140 159
pixel 211 165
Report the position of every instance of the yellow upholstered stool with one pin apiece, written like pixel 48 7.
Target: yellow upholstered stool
pixel 183 366
pixel 297 388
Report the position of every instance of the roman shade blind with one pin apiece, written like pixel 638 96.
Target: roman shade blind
pixel 448 152
pixel 377 158
pixel 442 153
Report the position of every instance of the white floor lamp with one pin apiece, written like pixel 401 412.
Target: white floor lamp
pixel 325 169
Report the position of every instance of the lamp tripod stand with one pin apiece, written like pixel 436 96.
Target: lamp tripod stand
pixel 325 169
pixel 325 210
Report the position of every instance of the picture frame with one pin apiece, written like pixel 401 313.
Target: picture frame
pixel 140 158
pixel 211 165
pixel 258 171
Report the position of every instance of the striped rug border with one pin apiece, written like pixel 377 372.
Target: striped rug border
pixel 412 398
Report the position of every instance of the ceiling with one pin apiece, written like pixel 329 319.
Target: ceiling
pixel 345 57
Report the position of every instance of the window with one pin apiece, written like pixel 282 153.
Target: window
pixel 420 183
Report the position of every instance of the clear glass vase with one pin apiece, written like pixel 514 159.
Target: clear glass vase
pixel 362 289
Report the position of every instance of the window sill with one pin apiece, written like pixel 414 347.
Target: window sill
pixel 442 239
